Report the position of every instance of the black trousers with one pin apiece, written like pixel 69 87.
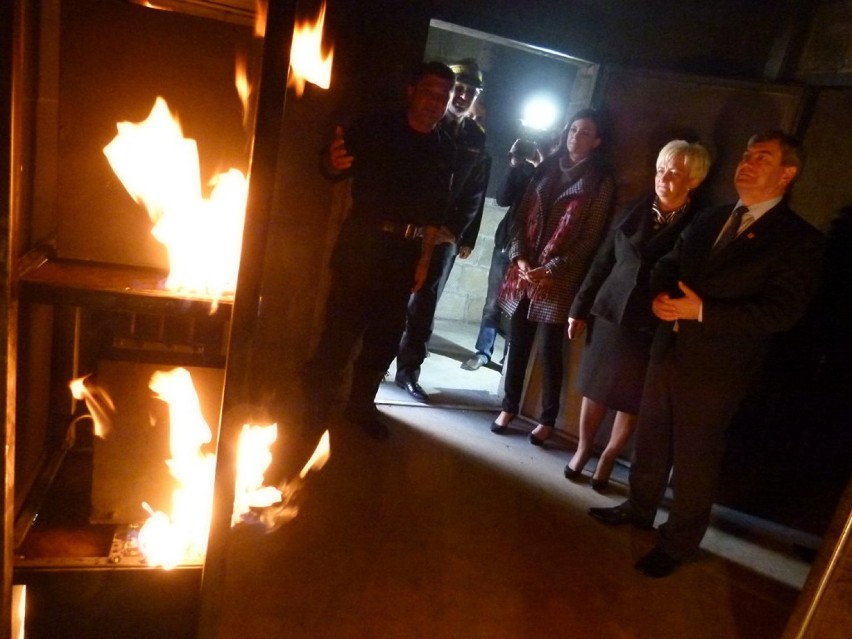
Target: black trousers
pixel 420 319
pixel 371 277
pixel 521 338
pixel 682 426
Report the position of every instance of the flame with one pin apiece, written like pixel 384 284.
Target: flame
pixel 100 404
pixel 307 63
pixel 320 456
pixel 160 170
pixel 19 611
pixel 241 81
pixel 167 540
pixel 260 12
pixel 253 459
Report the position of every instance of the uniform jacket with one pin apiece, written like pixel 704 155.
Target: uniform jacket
pixel 759 285
pixel 617 286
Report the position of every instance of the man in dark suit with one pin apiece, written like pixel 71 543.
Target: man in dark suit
pixel 737 276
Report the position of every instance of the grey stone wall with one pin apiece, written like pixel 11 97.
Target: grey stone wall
pixel 464 293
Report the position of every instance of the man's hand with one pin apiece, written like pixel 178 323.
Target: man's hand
pixel 575 327
pixel 464 252
pixel 670 309
pixel 339 160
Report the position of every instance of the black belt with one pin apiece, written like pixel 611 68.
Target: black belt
pixel 398 229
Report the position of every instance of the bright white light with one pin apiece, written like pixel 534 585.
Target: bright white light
pixel 539 113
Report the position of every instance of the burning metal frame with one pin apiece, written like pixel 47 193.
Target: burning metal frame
pixel 146 324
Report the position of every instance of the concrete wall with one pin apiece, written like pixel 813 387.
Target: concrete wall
pixel 464 294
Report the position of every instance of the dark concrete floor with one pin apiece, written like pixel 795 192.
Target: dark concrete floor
pixel 447 530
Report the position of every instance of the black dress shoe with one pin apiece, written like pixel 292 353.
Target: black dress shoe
pixel 414 389
pixel 619 515
pixel 657 564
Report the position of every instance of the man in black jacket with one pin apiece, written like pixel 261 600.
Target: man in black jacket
pixel 400 165
pixel 457 236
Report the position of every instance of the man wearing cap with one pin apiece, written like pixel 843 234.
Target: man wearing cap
pixel 457 236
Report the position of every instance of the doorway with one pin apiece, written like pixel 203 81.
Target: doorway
pixel 517 76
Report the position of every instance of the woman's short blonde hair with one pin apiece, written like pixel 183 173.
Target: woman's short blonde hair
pixel 695 157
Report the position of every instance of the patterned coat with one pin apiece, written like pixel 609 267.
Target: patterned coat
pixel 561 221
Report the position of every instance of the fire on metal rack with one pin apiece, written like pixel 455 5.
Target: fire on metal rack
pixel 149 473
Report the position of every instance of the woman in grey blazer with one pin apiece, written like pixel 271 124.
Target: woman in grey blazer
pixel 614 303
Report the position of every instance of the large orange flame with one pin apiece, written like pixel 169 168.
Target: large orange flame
pixel 307 62
pixel 160 170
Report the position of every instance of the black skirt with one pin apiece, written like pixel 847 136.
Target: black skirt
pixel 614 363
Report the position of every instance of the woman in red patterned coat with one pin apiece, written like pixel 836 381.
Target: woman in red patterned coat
pixel 562 219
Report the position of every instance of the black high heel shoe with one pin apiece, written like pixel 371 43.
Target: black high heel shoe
pixel 500 429
pixel 572 474
pixel 600 485
pixel 539 441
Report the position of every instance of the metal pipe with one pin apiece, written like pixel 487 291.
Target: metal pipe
pixel 13 45
pixel 244 316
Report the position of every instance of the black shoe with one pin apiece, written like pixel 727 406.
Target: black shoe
pixel 619 515
pixel 572 474
pixel 413 388
pixel 475 363
pixel 600 485
pixel 539 441
pixel 657 564
pixel 499 429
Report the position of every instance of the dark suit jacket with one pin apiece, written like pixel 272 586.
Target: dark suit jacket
pixel 616 287
pixel 757 286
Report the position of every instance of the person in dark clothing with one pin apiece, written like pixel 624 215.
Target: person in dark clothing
pixel 615 302
pixel 562 219
pixel 737 276
pixel 400 165
pixel 457 236
pixel 524 156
